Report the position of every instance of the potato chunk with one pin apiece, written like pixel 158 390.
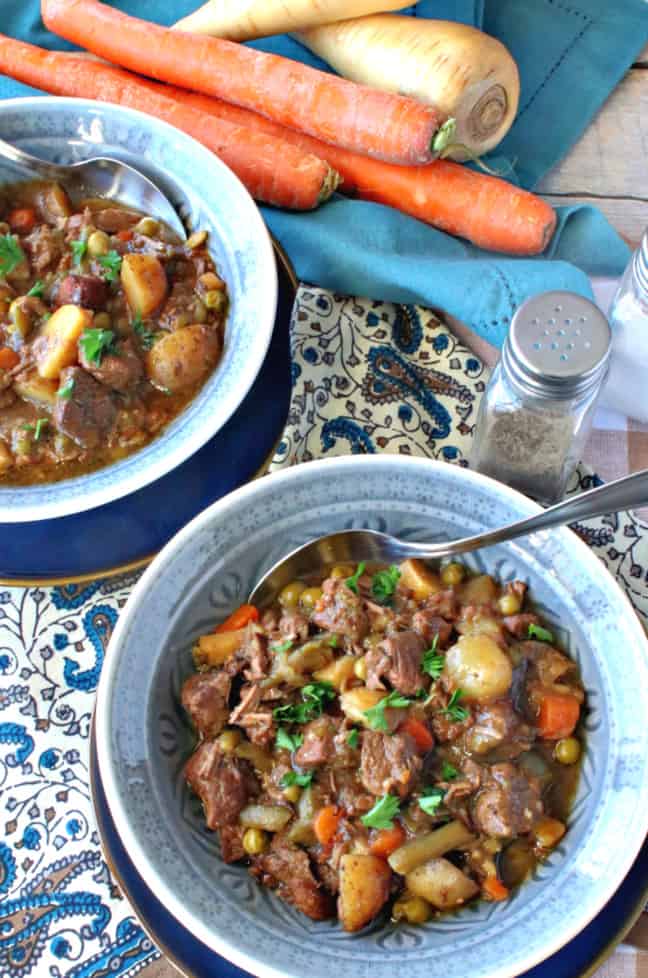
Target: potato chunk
pixel 6 458
pixel 216 648
pixel 480 589
pixel 32 387
pixel 145 283
pixel 56 347
pixel 355 701
pixel 338 672
pixel 441 884
pixel 364 888
pixel 419 579
pixel 478 666
pixel 183 358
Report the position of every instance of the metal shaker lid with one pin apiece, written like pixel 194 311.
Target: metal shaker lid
pixel 558 344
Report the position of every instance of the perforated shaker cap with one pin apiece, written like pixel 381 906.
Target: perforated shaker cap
pixel 558 344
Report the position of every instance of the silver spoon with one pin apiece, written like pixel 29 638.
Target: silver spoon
pixel 101 177
pixel 354 545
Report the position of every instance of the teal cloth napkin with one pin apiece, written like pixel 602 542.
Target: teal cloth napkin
pixel 578 47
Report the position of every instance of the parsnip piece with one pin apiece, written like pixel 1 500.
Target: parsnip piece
pixel 419 579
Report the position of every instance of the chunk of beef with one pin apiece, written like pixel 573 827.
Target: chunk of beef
pixel 287 869
pixel 223 783
pixel 398 658
pixel 231 843
pixel 508 804
pixel 113 219
pixel 518 625
pixel 88 291
pixel 44 247
pixel 257 721
pixel 340 610
pixel 444 603
pixel 389 763
pixel 120 370
pixel 88 415
pixel 204 697
pixel 429 625
pixel 317 747
pixel 293 625
pixel 252 658
pixel 498 724
pixel 465 785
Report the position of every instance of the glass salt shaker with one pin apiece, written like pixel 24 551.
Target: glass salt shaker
pixel 626 389
pixel 536 411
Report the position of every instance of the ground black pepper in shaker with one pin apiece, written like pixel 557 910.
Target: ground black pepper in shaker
pixel 537 409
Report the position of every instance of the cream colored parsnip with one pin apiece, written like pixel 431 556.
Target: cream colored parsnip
pixel 479 667
pixel 467 74
pixel 244 20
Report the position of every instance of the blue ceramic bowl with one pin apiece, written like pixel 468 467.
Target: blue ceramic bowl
pixel 209 197
pixel 209 568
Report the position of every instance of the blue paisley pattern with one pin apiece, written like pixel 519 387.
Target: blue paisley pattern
pixel 367 377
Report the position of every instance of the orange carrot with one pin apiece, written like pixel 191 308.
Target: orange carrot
pixel 273 170
pixel 418 732
pixel 492 888
pixel 366 120
pixel 124 235
pixel 387 841
pixel 239 619
pixel 559 713
pixel 325 823
pixel 22 219
pixel 491 213
pixel 8 358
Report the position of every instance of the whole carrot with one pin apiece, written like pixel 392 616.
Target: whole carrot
pixel 491 213
pixel 377 123
pixel 273 170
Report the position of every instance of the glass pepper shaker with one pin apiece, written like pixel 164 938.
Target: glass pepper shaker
pixel 626 389
pixel 536 411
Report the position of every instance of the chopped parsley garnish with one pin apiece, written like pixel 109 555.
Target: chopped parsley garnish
pixel 96 342
pixel 376 714
pixel 291 777
pixel 353 738
pixel 37 428
pixel 146 337
pixel 11 254
pixel 314 696
pixel 289 741
pixel 431 799
pixel 37 290
pixel 352 582
pixel 433 661
pixel 111 264
pixel 448 772
pixel 453 710
pixel 382 815
pixel 79 249
pixel 333 641
pixel 283 647
pixel 383 584
pixel 65 392
pixel 543 634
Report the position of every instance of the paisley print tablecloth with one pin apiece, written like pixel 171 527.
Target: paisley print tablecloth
pixel 367 377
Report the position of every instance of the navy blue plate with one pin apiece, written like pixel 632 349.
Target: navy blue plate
pixel 128 533
pixel 576 960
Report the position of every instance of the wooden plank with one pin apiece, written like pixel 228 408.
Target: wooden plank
pixel 629 217
pixel 609 159
pixel 642 60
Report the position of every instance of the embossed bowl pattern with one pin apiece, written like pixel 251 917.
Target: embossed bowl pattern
pixel 209 568
pixel 208 196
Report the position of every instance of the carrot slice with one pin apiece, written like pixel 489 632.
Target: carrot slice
pixel 272 169
pixel 559 713
pixel 387 841
pixel 377 123
pixel 22 219
pixel 492 888
pixel 418 732
pixel 490 212
pixel 8 358
pixel 325 823
pixel 239 619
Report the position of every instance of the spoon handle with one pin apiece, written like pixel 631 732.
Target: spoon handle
pixel 626 493
pixel 34 165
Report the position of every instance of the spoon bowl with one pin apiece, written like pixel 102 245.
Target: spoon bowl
pixel 101 176
pixel 370 545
